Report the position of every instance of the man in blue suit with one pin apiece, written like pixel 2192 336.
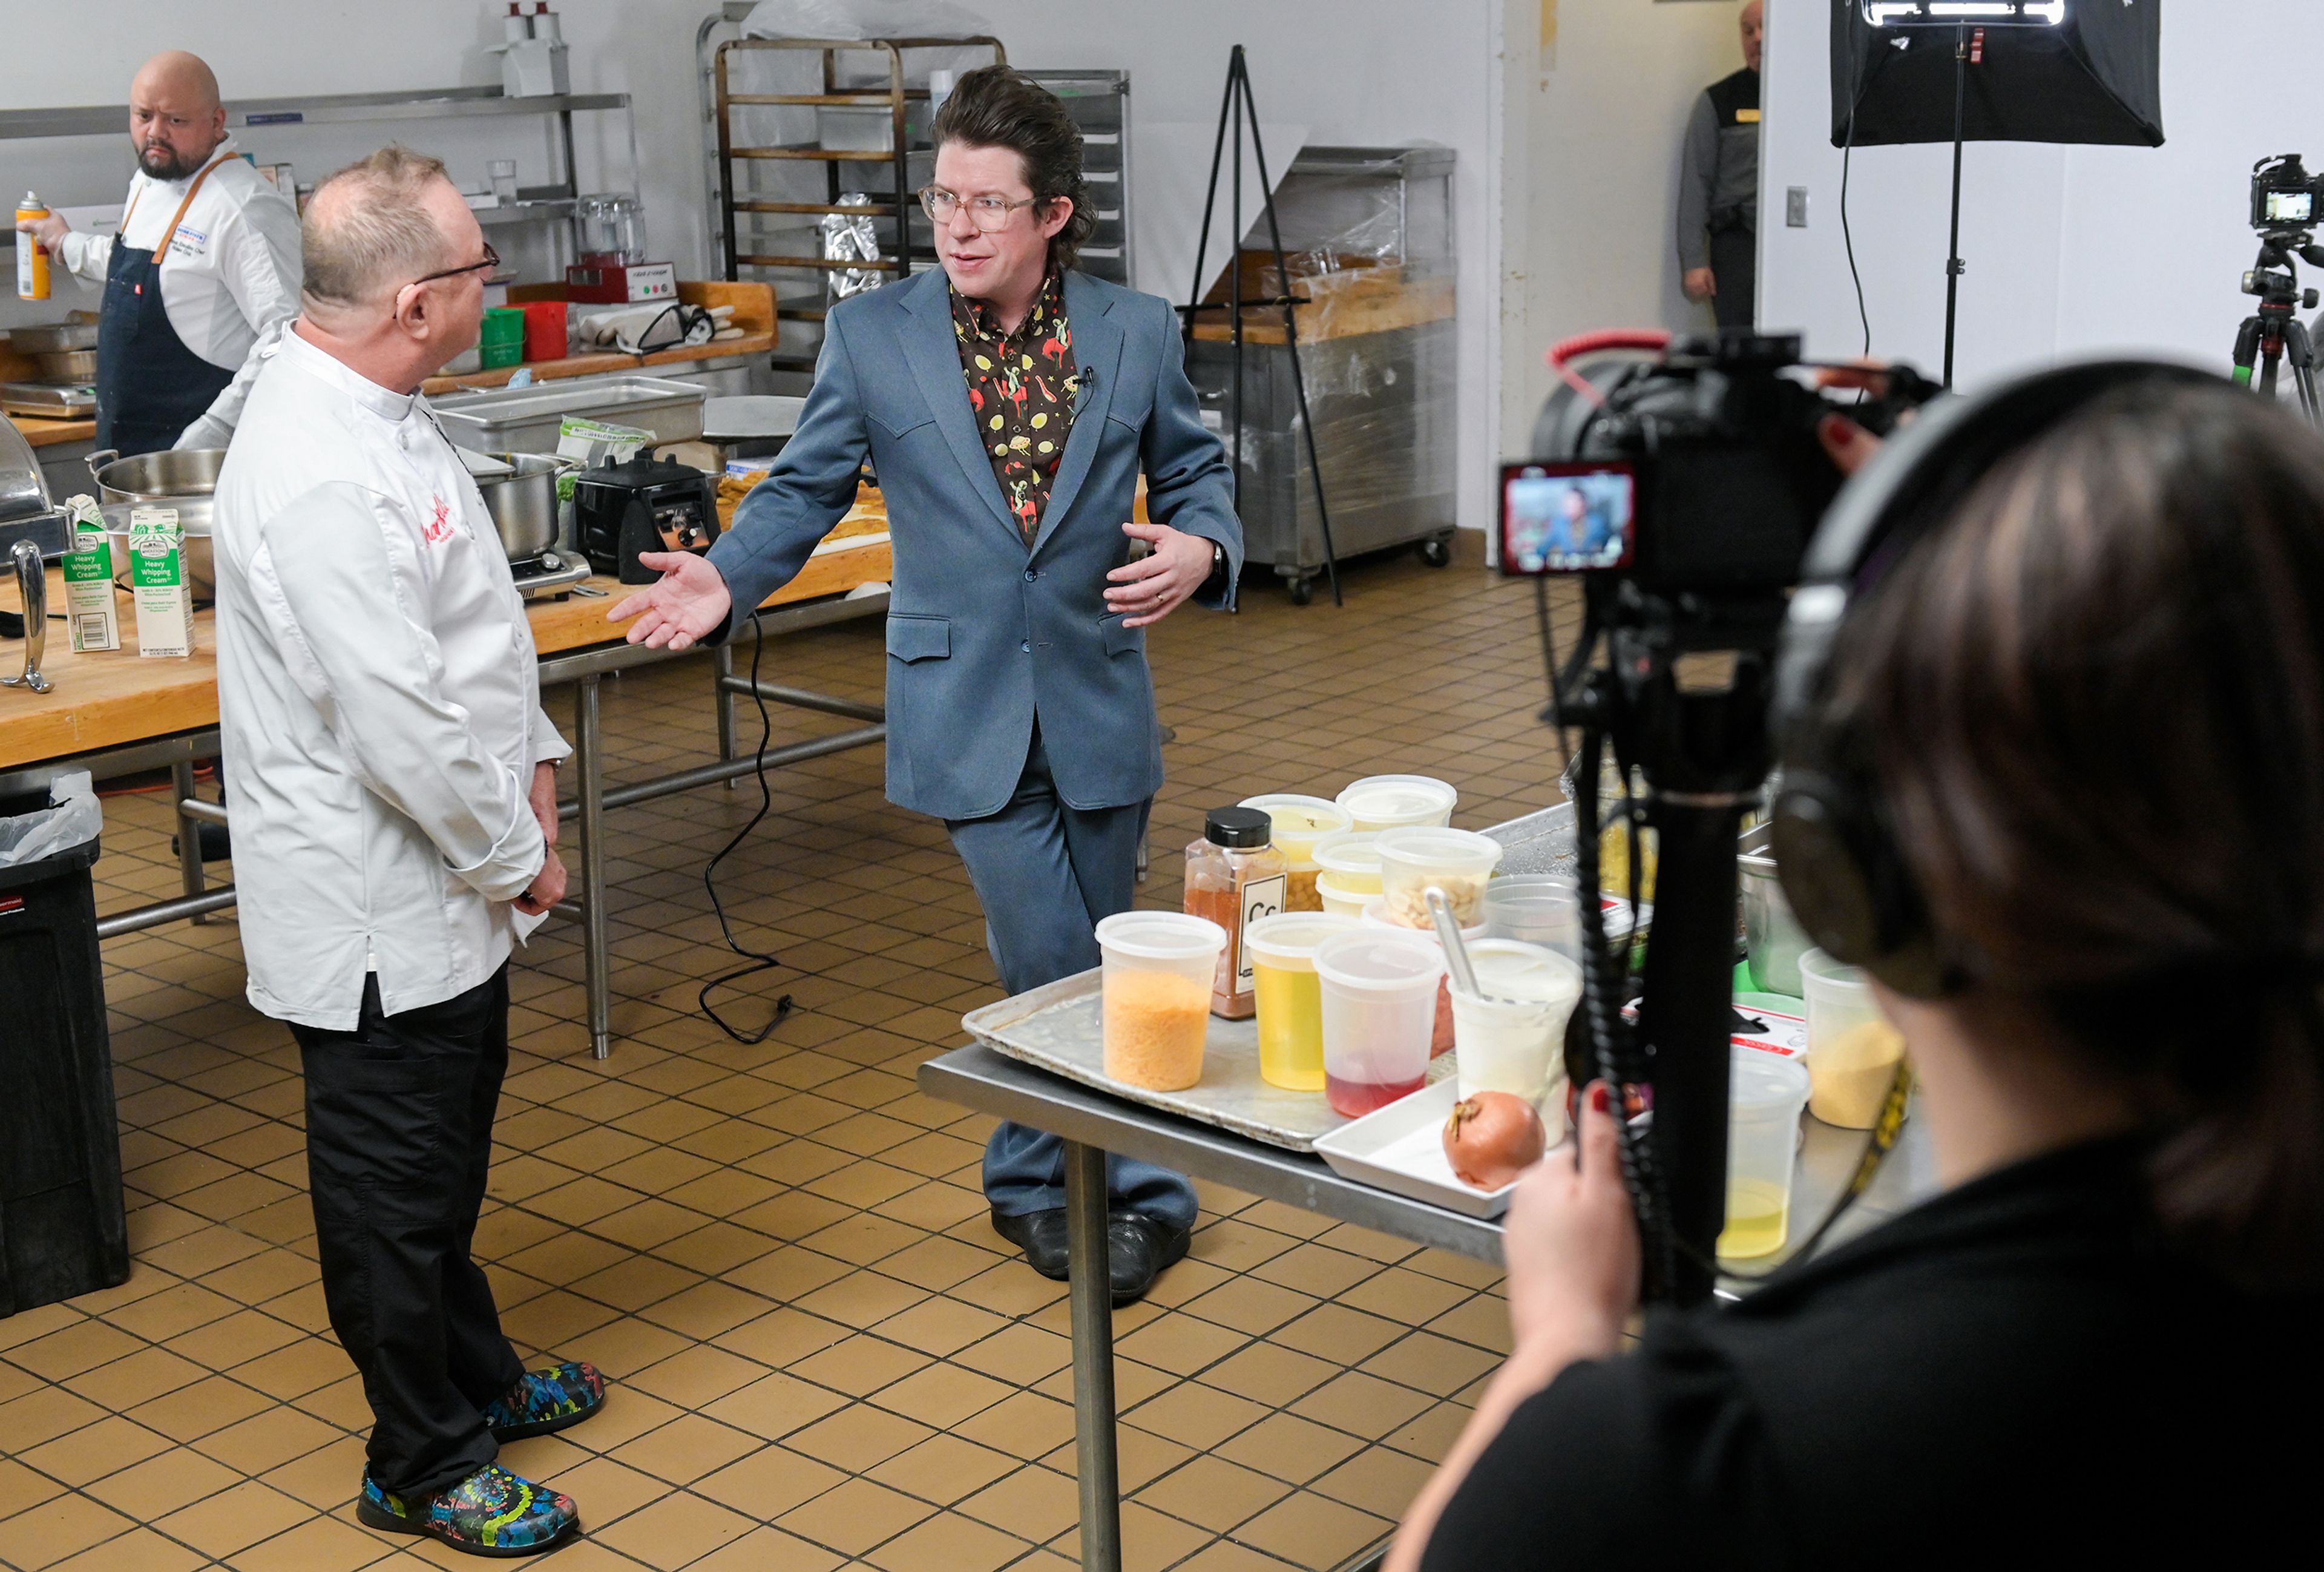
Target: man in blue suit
pixel 1006 404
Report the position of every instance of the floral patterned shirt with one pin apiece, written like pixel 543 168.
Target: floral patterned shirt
pixel 1021 388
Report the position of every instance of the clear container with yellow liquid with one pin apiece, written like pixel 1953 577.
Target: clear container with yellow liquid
pixel 1282 951
pixel 1766 1095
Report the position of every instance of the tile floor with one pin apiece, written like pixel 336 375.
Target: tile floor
pixel 822 1354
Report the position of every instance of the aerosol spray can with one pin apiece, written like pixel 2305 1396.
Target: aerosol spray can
pixel 32 260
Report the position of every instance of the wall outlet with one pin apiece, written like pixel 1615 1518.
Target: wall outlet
pixel 1795 206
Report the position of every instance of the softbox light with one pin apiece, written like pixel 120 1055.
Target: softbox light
pixel 1994 70
pixel 2058 70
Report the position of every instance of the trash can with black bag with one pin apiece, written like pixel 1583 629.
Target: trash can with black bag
pixel 63 1231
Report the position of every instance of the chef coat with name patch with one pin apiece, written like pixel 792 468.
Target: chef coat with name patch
pixel 233 267
pixel 378 698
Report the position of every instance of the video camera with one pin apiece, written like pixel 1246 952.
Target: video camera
pixel 1684 492
pixel 1700 474
pixel 2283 194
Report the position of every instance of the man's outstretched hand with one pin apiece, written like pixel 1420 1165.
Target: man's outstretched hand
pixel 686 605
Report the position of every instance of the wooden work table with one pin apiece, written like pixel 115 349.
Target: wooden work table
pixel 41 433
pixel 754 314
pixel 114 697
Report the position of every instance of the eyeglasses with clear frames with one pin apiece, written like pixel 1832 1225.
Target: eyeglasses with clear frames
pixel 987 213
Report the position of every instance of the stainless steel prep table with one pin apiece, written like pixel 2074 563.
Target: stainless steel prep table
pixel 1093 1123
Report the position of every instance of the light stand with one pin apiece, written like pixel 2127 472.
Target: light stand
pixel 1237 107
pixel 2071 71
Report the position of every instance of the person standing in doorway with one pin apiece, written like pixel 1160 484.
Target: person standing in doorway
pixel 1009 403
pixel 1718 187
pixel 206 263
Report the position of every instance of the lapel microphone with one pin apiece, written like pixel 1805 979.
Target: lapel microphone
pixel 1084 385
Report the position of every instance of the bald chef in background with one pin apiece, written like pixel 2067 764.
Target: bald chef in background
pixel 206 263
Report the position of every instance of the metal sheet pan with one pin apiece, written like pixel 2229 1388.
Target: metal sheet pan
pixel 525 420
pixel 1060 1028
pixel 54 400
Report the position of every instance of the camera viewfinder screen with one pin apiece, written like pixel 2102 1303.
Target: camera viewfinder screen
pixel 2291 207
pixel 1567 518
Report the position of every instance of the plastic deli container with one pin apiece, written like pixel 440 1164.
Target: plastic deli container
pixel 1299 821
pixel 1394 801
pixel 1159 970
pixel 1511 1035
pixel 1852 1050
pixel 1350 860
pixel 1456 861
pixel 1536 909
pixel 1339 902
pixel 1765 1093
pixel 1376 917
pixel 1282 951
pixel 1378 1001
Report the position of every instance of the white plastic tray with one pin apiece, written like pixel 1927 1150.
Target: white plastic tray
pixel 1401 1149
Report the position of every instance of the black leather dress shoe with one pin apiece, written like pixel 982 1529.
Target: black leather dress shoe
pixel 1041 1236
pixel 1137 1249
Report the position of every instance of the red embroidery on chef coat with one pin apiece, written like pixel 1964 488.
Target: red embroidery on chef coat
pixel 439 528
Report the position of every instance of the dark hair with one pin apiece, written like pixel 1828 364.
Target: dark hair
pixel 2098 696
pixel 995 106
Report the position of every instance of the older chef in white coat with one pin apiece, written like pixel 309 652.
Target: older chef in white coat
pixel 390 775
pixel 206 263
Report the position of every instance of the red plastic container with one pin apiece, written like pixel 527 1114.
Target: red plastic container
pixel 544 330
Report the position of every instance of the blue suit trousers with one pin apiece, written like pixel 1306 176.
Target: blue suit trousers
pixel 1045 873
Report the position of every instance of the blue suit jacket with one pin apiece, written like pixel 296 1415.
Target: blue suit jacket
pixel 983 636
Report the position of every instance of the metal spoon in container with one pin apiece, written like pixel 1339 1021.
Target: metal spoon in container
pixel 1456 951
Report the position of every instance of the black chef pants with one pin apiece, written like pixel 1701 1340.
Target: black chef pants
pixel 1735 264
pixel 399 1136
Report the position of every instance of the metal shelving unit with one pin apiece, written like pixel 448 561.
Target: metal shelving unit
pixel 1098 102
pixel 891 118
pixel 549 203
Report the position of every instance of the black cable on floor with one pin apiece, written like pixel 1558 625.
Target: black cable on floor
pixel 761 961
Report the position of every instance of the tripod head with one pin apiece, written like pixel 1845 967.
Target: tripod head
pixel 2274 278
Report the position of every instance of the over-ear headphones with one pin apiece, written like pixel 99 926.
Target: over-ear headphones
pixel 1843 871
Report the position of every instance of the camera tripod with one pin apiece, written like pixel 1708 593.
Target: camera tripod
pixel 2271 334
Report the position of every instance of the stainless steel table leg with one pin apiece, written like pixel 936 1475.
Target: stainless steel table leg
pixel 722 667
pixel 189 831
pixel 1095 1467
pixel 589 758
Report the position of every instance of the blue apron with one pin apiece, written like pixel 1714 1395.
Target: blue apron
pixel 150 387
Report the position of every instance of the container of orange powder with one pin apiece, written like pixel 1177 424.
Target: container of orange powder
pixel 1158 969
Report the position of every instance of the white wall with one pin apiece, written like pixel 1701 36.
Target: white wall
pixel 1597 101
pixel 1352 70
pixel 2070 249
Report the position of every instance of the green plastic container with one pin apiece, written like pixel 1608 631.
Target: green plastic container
pixel 503 343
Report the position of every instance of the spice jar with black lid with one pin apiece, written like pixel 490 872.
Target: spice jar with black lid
pixel 1234 877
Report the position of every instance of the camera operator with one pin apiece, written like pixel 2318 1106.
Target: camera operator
pixel 2093 700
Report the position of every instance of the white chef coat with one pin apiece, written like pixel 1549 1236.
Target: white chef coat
pixel 233 269
pixel 378 699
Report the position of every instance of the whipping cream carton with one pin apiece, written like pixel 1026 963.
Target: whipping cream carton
pixel 157 582
pixel 89 612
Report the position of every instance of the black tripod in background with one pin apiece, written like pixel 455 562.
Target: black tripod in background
pixel 2271 334
pixel 1237 107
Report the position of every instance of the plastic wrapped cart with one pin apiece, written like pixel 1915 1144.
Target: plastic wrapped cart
pixel 1367 237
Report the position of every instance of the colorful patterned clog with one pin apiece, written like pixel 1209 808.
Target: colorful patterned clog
pixel 544 1401
pixel 491 1512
